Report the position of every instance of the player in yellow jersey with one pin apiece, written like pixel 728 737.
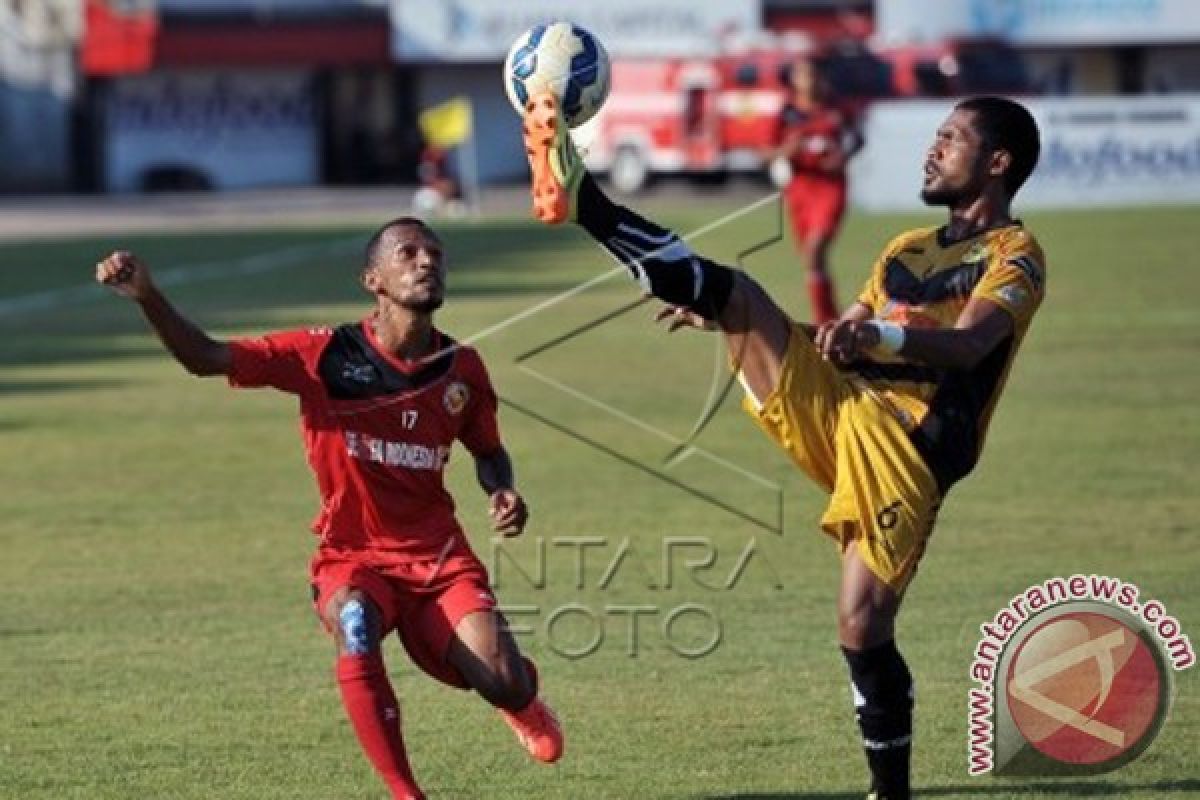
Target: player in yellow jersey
pixel 886 407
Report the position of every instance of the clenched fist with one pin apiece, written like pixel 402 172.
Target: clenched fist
pixel 508 512
pixel 125 274
pixel 844 341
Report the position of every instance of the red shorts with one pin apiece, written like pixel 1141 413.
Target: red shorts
pixel 423 601
pixel 816 205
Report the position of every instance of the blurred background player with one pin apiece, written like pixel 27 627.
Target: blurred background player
pixel 382 401
pixel 885 408
pixel 816 139
pixel 439 191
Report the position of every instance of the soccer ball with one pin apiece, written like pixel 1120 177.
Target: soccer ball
pixel 562 58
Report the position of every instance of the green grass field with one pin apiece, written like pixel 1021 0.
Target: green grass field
pixel 156 638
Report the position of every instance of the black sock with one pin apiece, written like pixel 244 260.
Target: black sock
pixel 656 258
pixel 883 701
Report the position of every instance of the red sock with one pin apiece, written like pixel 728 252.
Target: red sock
pixel 371 705
pixel 820 293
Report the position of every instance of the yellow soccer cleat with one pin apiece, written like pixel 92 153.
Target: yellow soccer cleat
pixel 556 166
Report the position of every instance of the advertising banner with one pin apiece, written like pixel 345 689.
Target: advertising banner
pixel 483 30
pixel 1096 151
pixel 1041 22
pixel 232 130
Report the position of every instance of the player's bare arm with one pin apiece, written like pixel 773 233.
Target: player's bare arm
pixel 506 507
pixel 129 276
pixel 980 327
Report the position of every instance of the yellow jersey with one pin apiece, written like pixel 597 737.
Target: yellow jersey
pixel 922 281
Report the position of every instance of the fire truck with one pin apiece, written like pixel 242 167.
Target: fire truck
pixel 713 116
pixel 709 117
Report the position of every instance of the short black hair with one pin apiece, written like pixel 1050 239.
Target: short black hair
pixel 1007 125
pixel 377 243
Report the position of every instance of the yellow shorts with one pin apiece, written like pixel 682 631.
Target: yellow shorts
pixel 883 496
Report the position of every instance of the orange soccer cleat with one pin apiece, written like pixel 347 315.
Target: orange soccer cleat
pixel 556 166
pixel 537 730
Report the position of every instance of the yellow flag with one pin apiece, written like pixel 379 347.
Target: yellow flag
pixel 447 124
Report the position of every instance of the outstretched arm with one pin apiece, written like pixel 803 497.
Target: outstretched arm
pixel 506 507
pixel 200 354
pixel 980 327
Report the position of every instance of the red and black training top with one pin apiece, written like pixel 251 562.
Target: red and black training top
pixel 378 431
pixel 819 129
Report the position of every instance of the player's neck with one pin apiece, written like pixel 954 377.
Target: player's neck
pixel 981 214
pixel 403 333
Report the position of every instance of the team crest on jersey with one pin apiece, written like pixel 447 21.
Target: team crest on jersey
pixel 455 397
pixel 977 253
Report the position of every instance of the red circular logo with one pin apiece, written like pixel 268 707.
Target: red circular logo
pixel 1084 688
pixel 455 398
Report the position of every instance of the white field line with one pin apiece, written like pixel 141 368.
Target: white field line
pixel 266 262
pixel 178 276
pixel 652 430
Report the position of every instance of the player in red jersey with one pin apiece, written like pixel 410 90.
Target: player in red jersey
pixel 382 401
pixel 817 139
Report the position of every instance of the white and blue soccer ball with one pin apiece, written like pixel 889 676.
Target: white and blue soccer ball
pixel 562 58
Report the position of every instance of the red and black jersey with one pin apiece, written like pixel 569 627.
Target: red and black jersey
pixel 378 431
pixel 820 130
